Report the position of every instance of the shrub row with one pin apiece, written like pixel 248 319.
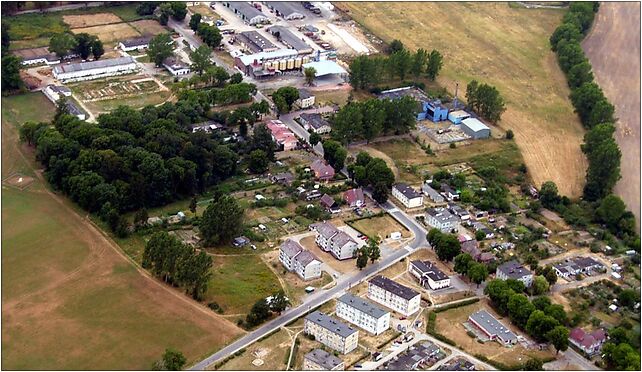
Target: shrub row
pixel 456 305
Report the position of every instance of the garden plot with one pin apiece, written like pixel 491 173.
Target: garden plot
pixel 116 89
pixel 89 20
pixel 110 34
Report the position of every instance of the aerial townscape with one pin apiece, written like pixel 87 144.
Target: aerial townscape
pixel 293 185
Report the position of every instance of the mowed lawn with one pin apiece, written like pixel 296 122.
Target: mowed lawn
pixel 505 47
pixel 69 299
pixel 239 281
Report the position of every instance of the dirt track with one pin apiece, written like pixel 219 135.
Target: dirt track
pixel 613 47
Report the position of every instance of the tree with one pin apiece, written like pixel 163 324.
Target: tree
pixel 146 8
pixel 362 258
pixel 160 47
pixel 258 161
pixel 179 10
pixel 519 309
pixel 221 221
pixel 477 273
pixel 534 364
pixel 419 61
pixel 62 43
pixel 11 66
pixel 551 276
pixel 579 74
pixel 193 204
pixel 548 194
pixel 334 154
pixel 539 324
pixel 166 11
pixel 566 31
pixel 471 94
pixel 480 235
pixel 558 336
pixel 611 210
pixel 540 285
pixel 628 298
pixel 447 247
pixel 172 360
pixel 97 49
pixel 380 192
pixel 259 313
pixel 374 253
pixel 236 78
pixel 84 42
pixel 314 138
pixel 210 35
pixel 262 139
pixel 462 262
pixel 541 302
pixel 310 74
pixel 399 64
pixel 279 302
pixel 509 136
pixel 395 46
pixel 194 21
pixel 284 98
pixel 435 62
pixel 585 98
pixel 201 59
pixel 140 218
pixel 516 285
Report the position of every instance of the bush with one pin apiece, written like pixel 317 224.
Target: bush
pixel 452 145
pixel 456 305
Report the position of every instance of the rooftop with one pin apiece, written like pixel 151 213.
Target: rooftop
pixel 442 214
pixel 288 38
pixel 407 191
pixel 35 53
pixel 362 305
pixel 397 93
pixel 325 229
pixel 246 9
pixel 432 193
pixel 316 121
pixel 393 287
pixel 143 40
pixel 353 195
pixel 84 66
pixel 491 325
pixel 285 8
pixel 321 169
pixel 474 124
pixel 429 269
pixel 323 358
pixel 330 324
pixel 305 258
pixel 291 248
pixel 459 114
pixel 256 42
pixel 267 56
pixel 514 270
pixel 342 239
pixel 325 67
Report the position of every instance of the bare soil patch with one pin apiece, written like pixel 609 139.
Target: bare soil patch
pixel 148 27
pixel 110 34
pixel 613 47
pixel 19 181
pixel 88 20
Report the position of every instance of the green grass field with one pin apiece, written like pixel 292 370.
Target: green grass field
pixel 69 299
pixel 505 47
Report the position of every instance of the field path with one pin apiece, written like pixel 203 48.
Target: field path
pixel 613 47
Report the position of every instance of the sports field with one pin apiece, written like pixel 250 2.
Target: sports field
pixel 505 47
pixel 70 298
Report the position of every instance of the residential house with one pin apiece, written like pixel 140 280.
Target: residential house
pixel 303 262
pixel 315 122
pixel 391 294
pixel 432 194
pixel 282 135
pixel 589 343
pixel 355 198
pixel 472 248
pixel 330 332
pixel 576 265
pixel 206 126
pixel 289 249
pixel 306 99
pixel 36 56
pixel 363 314
pixel 285 178
pixel 429 275
pixel 449 193
pixel 322 171
pixel 414 357
pixel 329 204
pixel 459 211
pixel 175 66
pixel 492 328
pixel 335 241
pixel 321 360
pixel 442 219
pixel 408 196
pixel 514 270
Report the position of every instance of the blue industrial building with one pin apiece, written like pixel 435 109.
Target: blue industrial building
pixel 431 109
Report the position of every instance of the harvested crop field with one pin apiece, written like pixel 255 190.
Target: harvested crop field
pixel 613 47
pixel 110 34
pixel 505 47
pixel 88 20
pixel 70 298
pixel 148 27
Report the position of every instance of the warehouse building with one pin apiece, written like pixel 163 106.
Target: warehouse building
pixel 94 70
pixel 431 109
pixel 492 328
pixel 475 128
pixel 249 14
pixel 331 332
pixel 290 40
pixel 139 43
pixel 287 10
pixel 255 42
pixel 456 117
pixel 327 67
pixel 36 56
pixel 267 64
pixel 363 314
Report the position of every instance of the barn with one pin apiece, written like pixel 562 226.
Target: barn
pixel 95 69
pixel 475 128
pixel 246 12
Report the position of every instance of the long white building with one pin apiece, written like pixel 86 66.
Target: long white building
pixel 391 294
pixel 363 314
pixel 301 261
pixel 95 69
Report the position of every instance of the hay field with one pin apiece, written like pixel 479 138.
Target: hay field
pixel 506 47
pixel 70 299
pixel 88 20
pixel 110 34
pixel 148 27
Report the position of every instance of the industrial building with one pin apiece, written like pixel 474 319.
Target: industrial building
pixel 456 117
pixel 94 70
pixel 321 360
pixel 290 40
pixel 431 109
pixel 432 194
pixel 326 67
pixel 255 42
pixel 330 332
pixel 249 14
pixel 287 10
pixel 266 64
pixel 363 314
pixel 36 56
pixel 393 295
pixel 475 128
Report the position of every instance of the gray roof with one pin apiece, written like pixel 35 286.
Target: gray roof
pixel 303 93
pixel 492 325
pixel 316 121
pixel 456 209
pixel 362 305
pixel 291 248
pixel 407 191
pixel 471 247
pixel 245 9
pixel 284 8
pixel 323 358
pixel 305 257
pixel 84 66
pixel 174 63
pixel 394 287
pixel 398 93
pixel 325 229
pixel 286 177
pixel 446 188
pixel 330 324
pixel 342 239
pixel 35 53
pixel 432 193
pixel 60 89
pixel 288 38
pixel 514 270
pixel 429 269
pixel 327 200
pixel 256 42
pixel 138 41
pixel 74 109
pixel 442 214
pixel 586 262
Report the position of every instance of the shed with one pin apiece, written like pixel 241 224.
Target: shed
pixel 475 128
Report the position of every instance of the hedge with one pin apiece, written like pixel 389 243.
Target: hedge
pixel 456 305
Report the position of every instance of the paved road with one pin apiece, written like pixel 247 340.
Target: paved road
pixel 63 7
pixel 570 359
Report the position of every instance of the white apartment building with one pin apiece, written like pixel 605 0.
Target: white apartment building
pixel 408 196
pixel 289 249
pixel 335 241
pixel 442 219
pixel 393 295
pixel 514 270
pixel 321 360
pixel 429 275
pixel 330 332
pixel 95 69
pixel 301 261
pixel 363 314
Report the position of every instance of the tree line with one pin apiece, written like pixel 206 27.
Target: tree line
pixel 367 72
pixel 210 35
pixel 485 100
pixel 81 44
pixel 368 171
pixel 11 65
pixel 175 9
pixel 374 117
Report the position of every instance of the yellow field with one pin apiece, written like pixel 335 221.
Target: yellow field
pixel 148 27
pixel 110 34
pixel 508 48
pixel 88 20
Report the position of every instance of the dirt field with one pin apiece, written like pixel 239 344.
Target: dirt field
pixel 110 34
pixel 508 48
pixel 148 27
pixel 381 227
pixel 70 298
pixel 268 355
pixel 613 47
pixel 88 20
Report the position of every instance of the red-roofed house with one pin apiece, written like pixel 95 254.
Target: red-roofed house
pixel 282 135
pixel 322 171
pixel 590 343
pixel 354 198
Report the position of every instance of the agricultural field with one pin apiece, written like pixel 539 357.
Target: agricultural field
pixel 84 305
pixel 475 43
